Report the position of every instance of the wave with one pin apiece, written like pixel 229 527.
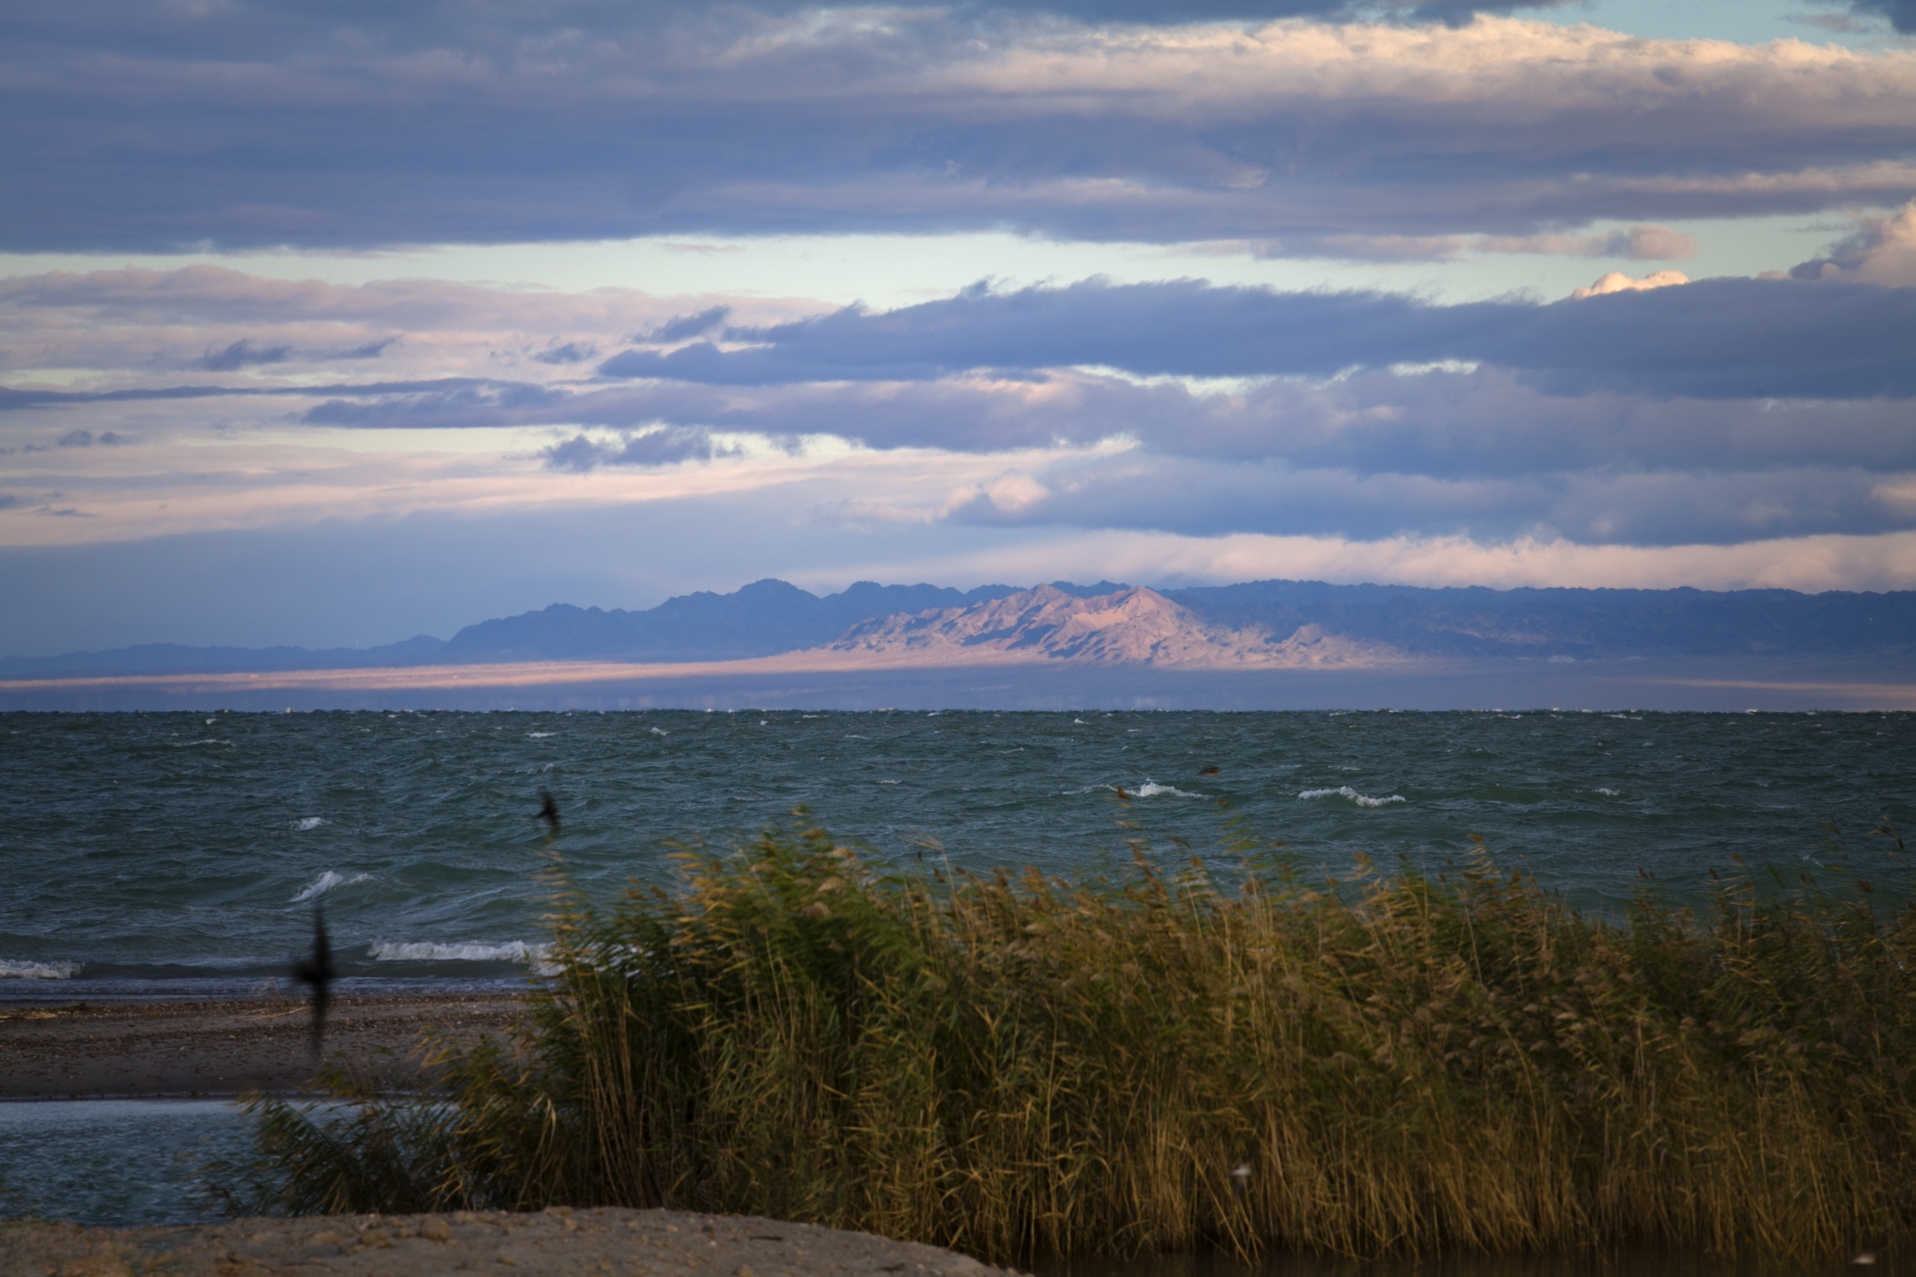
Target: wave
pixel 537 735
pixel 660 731
pixel 1151 789
pixel 459 951
pixel 1362 800
pixel 38 970
pixel 309 822
pixel 325 883
pixel 1611 793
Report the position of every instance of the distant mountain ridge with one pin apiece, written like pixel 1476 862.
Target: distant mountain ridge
pixel 1243 626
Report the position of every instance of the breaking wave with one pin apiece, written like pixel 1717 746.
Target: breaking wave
pixel 1151 789
pixel 1362 800
pixel 38 970
pixel 309 822
pixel 535 955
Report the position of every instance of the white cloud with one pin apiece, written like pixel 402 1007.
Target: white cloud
pixel 1618 282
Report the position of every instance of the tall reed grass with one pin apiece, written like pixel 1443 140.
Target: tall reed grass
pixel 1023 1066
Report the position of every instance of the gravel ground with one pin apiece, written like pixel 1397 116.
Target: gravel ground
pixel 604 1242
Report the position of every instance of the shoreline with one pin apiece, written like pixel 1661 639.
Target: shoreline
pixel 220 1048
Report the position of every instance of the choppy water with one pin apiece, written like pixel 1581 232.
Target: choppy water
pixel 119 1162
pixel 179 852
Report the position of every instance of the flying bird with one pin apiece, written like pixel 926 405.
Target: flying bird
pixel 318 971
pixel 549 812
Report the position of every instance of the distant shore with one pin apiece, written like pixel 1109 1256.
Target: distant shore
pixel 221 1048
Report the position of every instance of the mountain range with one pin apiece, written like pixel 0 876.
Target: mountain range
pixel 1262 624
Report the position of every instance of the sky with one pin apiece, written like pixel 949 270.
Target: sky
pixel 334 323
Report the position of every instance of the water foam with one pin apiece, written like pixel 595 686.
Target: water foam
pixel 537 735
pixel 534 955
pixel 1611 793
pixel 309 822
pixel 38 970
pixel 1151 789
pixel 660 731
pixel 325 883
pixel 1362 800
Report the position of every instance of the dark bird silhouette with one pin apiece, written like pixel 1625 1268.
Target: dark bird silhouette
pixel 1209 771
pixel 549 812
pixel 318 971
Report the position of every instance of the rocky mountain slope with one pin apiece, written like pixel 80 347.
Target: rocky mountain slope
pixel 1134 626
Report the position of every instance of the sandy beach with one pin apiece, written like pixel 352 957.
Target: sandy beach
pixel 221 1048
pixel 608 1240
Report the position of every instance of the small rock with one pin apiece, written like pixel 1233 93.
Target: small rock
pixel 436 1229
pixel 744 1270
pixel 508 1260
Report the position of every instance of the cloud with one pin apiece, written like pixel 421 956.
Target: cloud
pixel 682 327
pixel 242 354
pixel 1901 13
pixel 1199 498
pixel 1881 251
pixel 1638 243
pixel 371 350
pixel 76 439
pixel 1733 338
pixel 572 352
pixel 140 127
pixel 1618 282
pixel 667 445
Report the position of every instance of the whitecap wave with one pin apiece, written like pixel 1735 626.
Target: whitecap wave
pixel 38 970
pixel 309 822
pixel 660 731
pixel 535 955
pixel 1362 800
pixel 1611 793
pixel 325 883
pixel 1151 789
pixel 537 735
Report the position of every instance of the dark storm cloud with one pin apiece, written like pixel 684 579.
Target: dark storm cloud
pixel 139 126
pixel 1730 338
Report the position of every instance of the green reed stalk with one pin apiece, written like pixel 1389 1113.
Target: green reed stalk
pixel 1024 1066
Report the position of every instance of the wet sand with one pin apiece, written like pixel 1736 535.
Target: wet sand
pixel 608 1240
pixel 212 1049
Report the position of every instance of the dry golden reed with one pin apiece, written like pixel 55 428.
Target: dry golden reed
pixel 1021 1066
